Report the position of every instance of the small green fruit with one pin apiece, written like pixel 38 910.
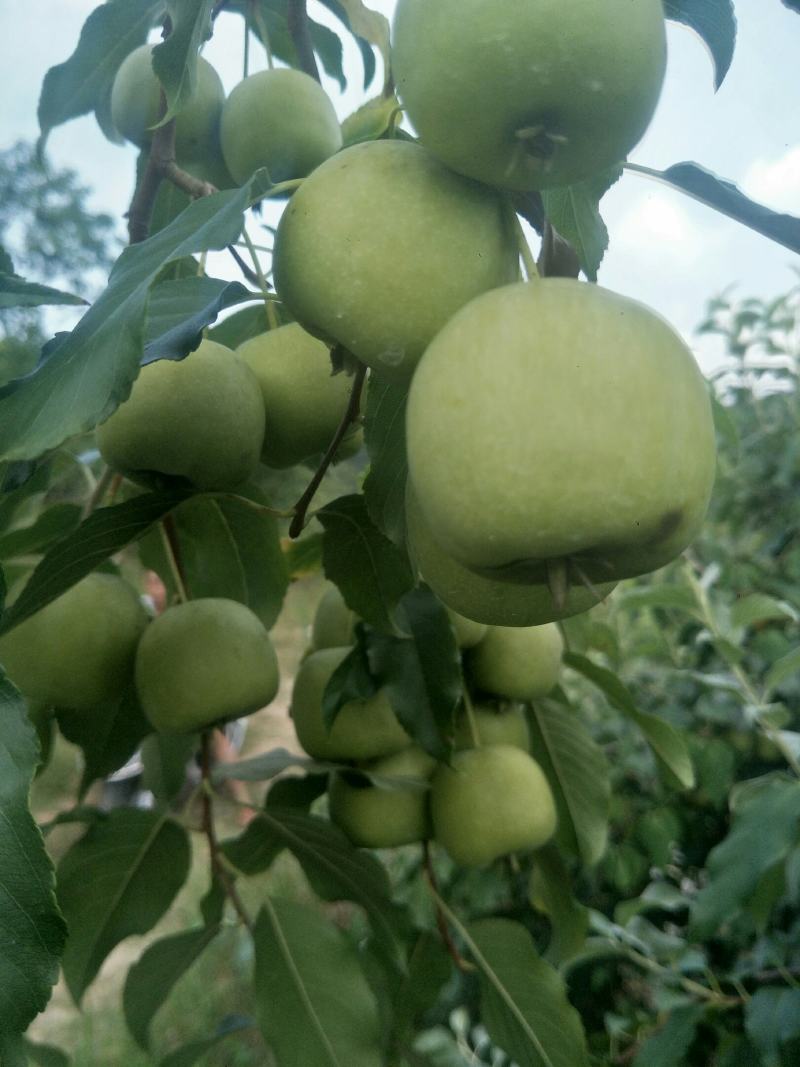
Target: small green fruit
pixel 363 729
pixel 200 420
pixel 519 663
pixel 491 802
pixel 378 817
pixel 333 623
pixel 77 652
pixel 382 244
pixel 203 662
pixel 281 120
pixel 468 633
pixel 304 400
pixel 495 726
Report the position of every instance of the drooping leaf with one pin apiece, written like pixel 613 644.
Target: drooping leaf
pixel 15 292
pixel 134 862
pixel 175 59
pixel 385 438
pixel 190 1053
pixel 165 758
pixel 715 22
pixel 669 1046
pixel 772 1019
pixel 551 892
pixel 759 607
pixel 574 211
pixel 180 309
pixel 32 932
pixel 265 766
pixel 369 28
pixel 49 526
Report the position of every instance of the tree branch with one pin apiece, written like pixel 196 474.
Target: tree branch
pixel 441 921
pixel 297 18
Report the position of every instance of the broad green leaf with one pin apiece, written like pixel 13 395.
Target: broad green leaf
pixel 175 59
pixel 669 1046
pixel 772 1018
pixel 385 438
pixel 150 980
pixel 667 744
pixel 105 532
pixel 267 765
pixel 578 775
pixel 241 326
pixel 370 122
pixel 165 758
pixel 524 1001
pixel 574 211
pixel 49 526
pixel 298 793
pixel 551 892
pixel 715 22
pixel 116 881
pixel 13 1052
pixel 782 669
pixel 765 829
pixel 352 680
pixel 758 607
pixel 193 1051
pixel 180 309
pixel 15 292
pixel 370 571
pixel 314 1005
pixel 429 968
pixel 32 932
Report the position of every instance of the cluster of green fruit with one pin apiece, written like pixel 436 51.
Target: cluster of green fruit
pixel 489 800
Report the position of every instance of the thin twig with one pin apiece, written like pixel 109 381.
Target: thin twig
pixel 297 18
pixel 441 922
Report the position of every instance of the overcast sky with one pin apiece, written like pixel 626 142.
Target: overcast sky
pixel 665 249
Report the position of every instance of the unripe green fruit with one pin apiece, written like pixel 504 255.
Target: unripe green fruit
pixel 468 633
pixel 491 802
pixel 202 662
pixel 519 663
pixel 495 726
pixel 377 817
pixel 483 599
pixel 382 244
pixel 334 622
pixel 136 104
pixel 529 95
pixel 279 119
pixel 363 729
pixel 554 427
pixel 304 400
pixel 77 652
pixel 200 419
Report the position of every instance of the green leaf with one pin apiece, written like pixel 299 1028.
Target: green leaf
pixel 352 680
pixel 782 669
pixel 240 327
pixel 551 893
pixel 314 1004
pixel 105 532
pixel 164 761
pixel 45 1055
pixel 370 572
pixel 267 765
pixel 49 526
pixel 188 1055
pixel 179 310
pixel 83 82
pixel 385 438
pixel 369 28
pixel 765 829
pixel 90 371
pixel 670 1045
pixel 15 292
pixel 524 1001
pixel 667 744
pixel 175 59
pixel 671 597
pixel 574 211
pixel 429 968
pixel 578 775
pixel 150 980
pixel 116 881
pixel 772 1018
pixel 32 932
pixel 715 22
pixel 758 607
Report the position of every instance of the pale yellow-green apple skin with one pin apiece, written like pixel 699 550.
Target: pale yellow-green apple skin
pixel 382 244
pixel 304 401
pixel 363 729
pixel 78 651
pixel 200 419
pixel 377 817
pixel 487 600
pixel 519 663
pixel 490 802
pixel 529 95
pixel 468 633
pixel 505 725
pixel 202 662
pixel 334 622
pixel 279 119
pixel 136 101
pixel 556 425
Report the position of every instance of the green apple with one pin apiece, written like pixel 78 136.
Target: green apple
pixel 519 663
pixel 505 725
pixel 78 651
pixel 136 102
pixel 529 95
pixel 203 662
pixel 487 600
pixel 281 120
pixel 304 400
pixel 380 817
pixel 200 419
pixel 333 623
pixel 558 430
pixel 490 802
pixel 468 633
pixel 382 244
pixel 363 729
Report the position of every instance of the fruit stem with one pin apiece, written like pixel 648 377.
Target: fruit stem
pixel 272 318
pixel 472 722
pixel 169 537
pixel 531 270
pixel 441 911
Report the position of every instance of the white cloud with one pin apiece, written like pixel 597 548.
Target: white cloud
pixel 776 182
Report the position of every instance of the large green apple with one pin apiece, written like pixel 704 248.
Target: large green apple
pixel 304 400
pixel 527 95
pixel 382 244
pixel 333 622
pixel 200 419
pixel 519 663
pixel 558 430
pixel 379 817
pixel 281 120
pixel 202 662
pixel 136 102
pixel 78 651
pixel 363 729
pixel 487 600
pixel 504 725
pixel 490 802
